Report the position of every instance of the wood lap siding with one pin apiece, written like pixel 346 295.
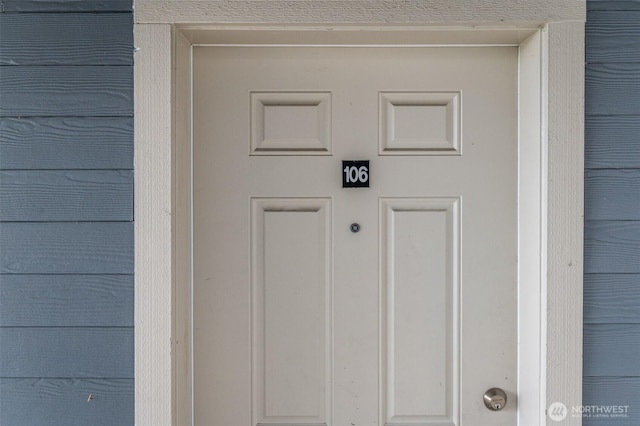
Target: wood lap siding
pixel 612 210
pixel 66 213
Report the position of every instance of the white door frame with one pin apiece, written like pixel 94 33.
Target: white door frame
pixel 551 142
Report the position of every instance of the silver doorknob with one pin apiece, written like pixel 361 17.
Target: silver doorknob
pixel 495 399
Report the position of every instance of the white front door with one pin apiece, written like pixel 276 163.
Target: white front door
pixel 298 318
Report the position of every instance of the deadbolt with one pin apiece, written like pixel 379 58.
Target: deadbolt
pixel 495 399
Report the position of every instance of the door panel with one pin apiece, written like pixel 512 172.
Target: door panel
pixel 291 309
pixel 297 319
pixel 420 263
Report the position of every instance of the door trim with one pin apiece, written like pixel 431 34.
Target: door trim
pixel 551 225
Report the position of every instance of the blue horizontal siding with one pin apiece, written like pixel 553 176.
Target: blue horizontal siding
pixel 66 91
pixel 612 89
pixel 52 6
pixel 611 350
pixel 66 143
pixel 612 247
pixel 612 194
pixel 66 248
pixel 612 209
pixel 612 391
pixel 66 213
pixel 66 39
pixel 612 142
pixel 612 298
pixel 79 352
pixel 611 5
pixel 66 301
pixel 613 36
pixel 66 195
pixel 66 402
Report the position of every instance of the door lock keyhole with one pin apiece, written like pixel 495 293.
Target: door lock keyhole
pixel 495 399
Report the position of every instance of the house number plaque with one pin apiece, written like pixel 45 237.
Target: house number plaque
pixel 355 174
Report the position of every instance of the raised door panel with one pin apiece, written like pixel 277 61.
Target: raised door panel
pixel 291 310
pixel 419 320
